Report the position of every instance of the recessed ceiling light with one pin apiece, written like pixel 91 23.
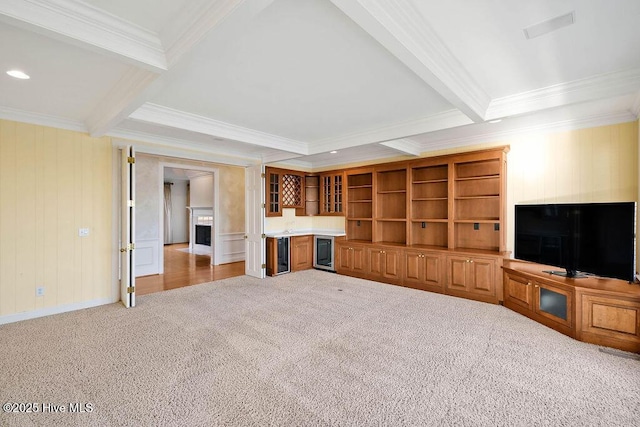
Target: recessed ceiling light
pixel 550 25
pixel 18 74
pixel 333 152
pixel 495 121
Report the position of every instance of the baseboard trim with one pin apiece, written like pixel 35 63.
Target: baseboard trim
pixel 26 315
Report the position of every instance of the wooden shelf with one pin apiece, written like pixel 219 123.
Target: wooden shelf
pixel 428 199
pixel 392 191
pixel 430 181
pixel 351 187
pixel 477 220
pixel 361 201
pixel 475 178
pixel 489 196
pixel 359 219
pixel 391 219
pixel 443 220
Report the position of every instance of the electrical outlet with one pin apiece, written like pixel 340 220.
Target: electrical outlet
pixel 83 232
pixel 40 291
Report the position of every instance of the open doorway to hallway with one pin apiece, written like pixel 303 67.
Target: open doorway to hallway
pixel 188 233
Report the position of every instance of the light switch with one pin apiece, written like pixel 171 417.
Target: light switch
pixel 83 232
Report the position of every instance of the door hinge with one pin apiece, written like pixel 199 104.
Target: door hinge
pixel 264 206
pixel 263 236
pixel 131 159
pixel 263 175
pixel 131 289
pixel 264 265
pixel 131 204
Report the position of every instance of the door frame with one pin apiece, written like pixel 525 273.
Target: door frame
pixel 216 248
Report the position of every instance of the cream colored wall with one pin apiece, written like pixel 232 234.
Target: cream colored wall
pixel 53 182
pixel 587 165
pixel 289 221
pixel 148 178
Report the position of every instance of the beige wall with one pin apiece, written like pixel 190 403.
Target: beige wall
pixel 148 179
pixel 587 165
pixel 289 221
pixel 53 182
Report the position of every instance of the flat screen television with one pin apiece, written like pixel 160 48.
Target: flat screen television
pixel 581 238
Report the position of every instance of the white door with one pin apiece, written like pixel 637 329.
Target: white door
pixel 127 273
pixel 254 221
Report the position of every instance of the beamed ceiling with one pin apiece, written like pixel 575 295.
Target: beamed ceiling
pixel 289 81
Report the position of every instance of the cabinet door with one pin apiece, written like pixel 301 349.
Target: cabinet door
pixel 554 303
pixel 392 266
pixel 273 193
pixel 433 270
pixel 482 276
pixel 414 268
pixel 345 258
pixel 359 260
pixel 272 256
pixel 518 291
pixel 331 193
pixel 376 260
pixel 458 273
pixel 301 253
pixel 609 320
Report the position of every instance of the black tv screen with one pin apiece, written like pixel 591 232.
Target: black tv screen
pixel 591 238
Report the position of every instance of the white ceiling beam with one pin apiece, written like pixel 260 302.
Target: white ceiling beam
pixel 404 146
pixel 402 30
pixel 81 24
pixel 123 99
pixel 433 123
pixel 171 147
pixel 279 156
pixel 602 86
pixel 136 87
pixel 157 114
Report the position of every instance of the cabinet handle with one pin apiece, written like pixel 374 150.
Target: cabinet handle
pixel 537 286
pixel 529 283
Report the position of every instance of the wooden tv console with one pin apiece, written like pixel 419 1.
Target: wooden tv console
pixel 594 310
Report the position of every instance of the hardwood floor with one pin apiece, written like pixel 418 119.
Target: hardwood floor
pixel 185 269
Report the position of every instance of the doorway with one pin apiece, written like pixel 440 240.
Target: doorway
pixel 188 246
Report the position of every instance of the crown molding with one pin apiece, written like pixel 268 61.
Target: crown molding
pixel 450 141
pixel 41 119
pixel 404 146
pixel 80 23
pixel 279 157
pixel 123 99
pixel 402 30
pixel 635 108
pixel 172 147
pixel 153 113
pixel 445 120
pixel 588 89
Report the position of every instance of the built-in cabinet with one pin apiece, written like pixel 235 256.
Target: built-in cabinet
pixel 435 224
pixel 309 194
pixel 296 253
pixel 473 275
pixel 301 252
pixel 331 193
pixel 595 310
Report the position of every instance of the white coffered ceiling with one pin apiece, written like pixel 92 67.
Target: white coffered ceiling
pixel 246 81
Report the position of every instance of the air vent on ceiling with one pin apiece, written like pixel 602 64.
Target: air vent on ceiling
pixel 549 25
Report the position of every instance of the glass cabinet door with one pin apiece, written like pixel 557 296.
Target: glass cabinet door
pixel 553 303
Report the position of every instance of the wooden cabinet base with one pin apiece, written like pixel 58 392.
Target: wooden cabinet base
pixel 466 274
pixel 599 311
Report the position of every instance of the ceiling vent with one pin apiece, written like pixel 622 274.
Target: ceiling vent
pixel 549 25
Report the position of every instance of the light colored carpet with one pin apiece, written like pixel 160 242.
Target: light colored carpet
pixel 310 348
